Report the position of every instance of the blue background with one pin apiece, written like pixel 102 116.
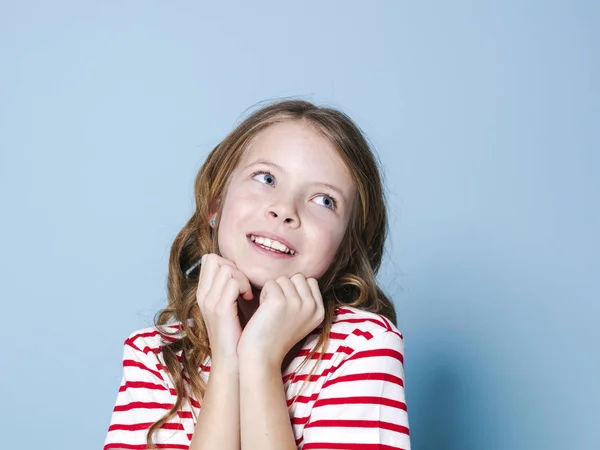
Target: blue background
pixel 485 114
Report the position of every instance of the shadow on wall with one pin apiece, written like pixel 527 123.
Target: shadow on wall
pixel 450 412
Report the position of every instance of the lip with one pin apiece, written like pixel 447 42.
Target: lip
pixel 269 253
pixel 266 234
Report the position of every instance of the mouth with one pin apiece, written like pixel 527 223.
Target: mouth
pixel 270 248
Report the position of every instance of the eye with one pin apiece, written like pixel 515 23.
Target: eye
pixel 268 176
pixel 329 201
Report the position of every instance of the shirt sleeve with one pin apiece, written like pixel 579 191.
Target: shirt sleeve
pixel 362 404
pixel 144 397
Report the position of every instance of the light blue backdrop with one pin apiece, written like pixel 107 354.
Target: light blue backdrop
pixel 485 114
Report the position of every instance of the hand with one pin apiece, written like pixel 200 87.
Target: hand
pixel 290 308
pixel 220 284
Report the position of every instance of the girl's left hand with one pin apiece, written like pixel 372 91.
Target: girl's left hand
pixel 289 309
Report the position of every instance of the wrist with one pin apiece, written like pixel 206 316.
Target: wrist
pixel 256 361
pixel 227 366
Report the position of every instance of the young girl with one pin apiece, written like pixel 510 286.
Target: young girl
pixel 276 335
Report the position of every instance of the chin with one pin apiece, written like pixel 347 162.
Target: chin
pixel 258 277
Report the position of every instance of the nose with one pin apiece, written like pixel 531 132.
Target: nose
pixel 286 213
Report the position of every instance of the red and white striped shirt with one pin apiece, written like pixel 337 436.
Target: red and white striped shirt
pixel 354 400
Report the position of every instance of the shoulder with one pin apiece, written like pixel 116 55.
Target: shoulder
pixel 143 348
pixel 151 339
pixel 370 338
pixel 358 326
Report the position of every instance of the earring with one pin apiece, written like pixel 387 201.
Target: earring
pixel 212 222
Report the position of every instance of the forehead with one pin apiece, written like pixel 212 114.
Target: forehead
pixel 300 149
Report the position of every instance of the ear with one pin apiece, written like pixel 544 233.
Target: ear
pixel 213 209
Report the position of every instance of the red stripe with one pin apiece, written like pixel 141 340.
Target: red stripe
pixel 327 355
pixel 344 311
pixel 143 335
pixel 363 400
pixel 303 398
pixel 390 326
pixel 359 424
pixel 387 323
pixel 143 405
pixel 301 377
pixel 388 352
pixel 147 349
pixel 144 426
pixel 365 377
pixel 358 355
pixel 157 350
pixel 142 384
pixel 300 420
pixel 344 446
pixel 132 345
pixel 397 333
pixel 185 414
pixel 155 333
pixel 350 401
pixel 304 353
pixel 118 445
pixel 365 334
pixel 336 335
pixel 205 368
pixel 132 363
pixel 363 320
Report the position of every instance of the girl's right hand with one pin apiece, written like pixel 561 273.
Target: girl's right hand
pixel 219 285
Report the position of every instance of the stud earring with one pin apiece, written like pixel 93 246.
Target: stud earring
pixel 212 222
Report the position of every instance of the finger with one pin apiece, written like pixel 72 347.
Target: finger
pixel 231 290
pixel 304 291
pixel 225 274
pixel 313 284
pixel 292 298
pixel 216 293
pixel 302 287
pixel 244 285
pixel 270 290
pixel 208 270
pixel 245 289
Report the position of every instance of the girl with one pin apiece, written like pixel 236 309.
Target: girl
pixel 276 335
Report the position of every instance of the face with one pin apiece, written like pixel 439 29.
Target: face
pixel 290 185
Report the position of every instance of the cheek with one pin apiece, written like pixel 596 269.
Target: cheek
pixel 238 203
pixel 234 215
pixel 323 247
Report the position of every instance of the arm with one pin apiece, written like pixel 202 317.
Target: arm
pixel 219 419
pixel 264 418
pixel 144 396
pixel 289 309
pixel 362 404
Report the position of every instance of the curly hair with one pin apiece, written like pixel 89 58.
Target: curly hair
pixel 349 281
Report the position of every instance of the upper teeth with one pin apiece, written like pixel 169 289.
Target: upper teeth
pixel 271 244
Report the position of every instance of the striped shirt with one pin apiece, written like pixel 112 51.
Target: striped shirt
pixel 354 399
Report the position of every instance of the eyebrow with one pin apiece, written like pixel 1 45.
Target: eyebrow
pixel 269 163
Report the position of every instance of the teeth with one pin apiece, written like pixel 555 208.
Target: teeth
pixel 271 244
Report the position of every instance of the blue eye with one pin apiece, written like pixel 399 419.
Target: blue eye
pixel 268 176
pixel 329 201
